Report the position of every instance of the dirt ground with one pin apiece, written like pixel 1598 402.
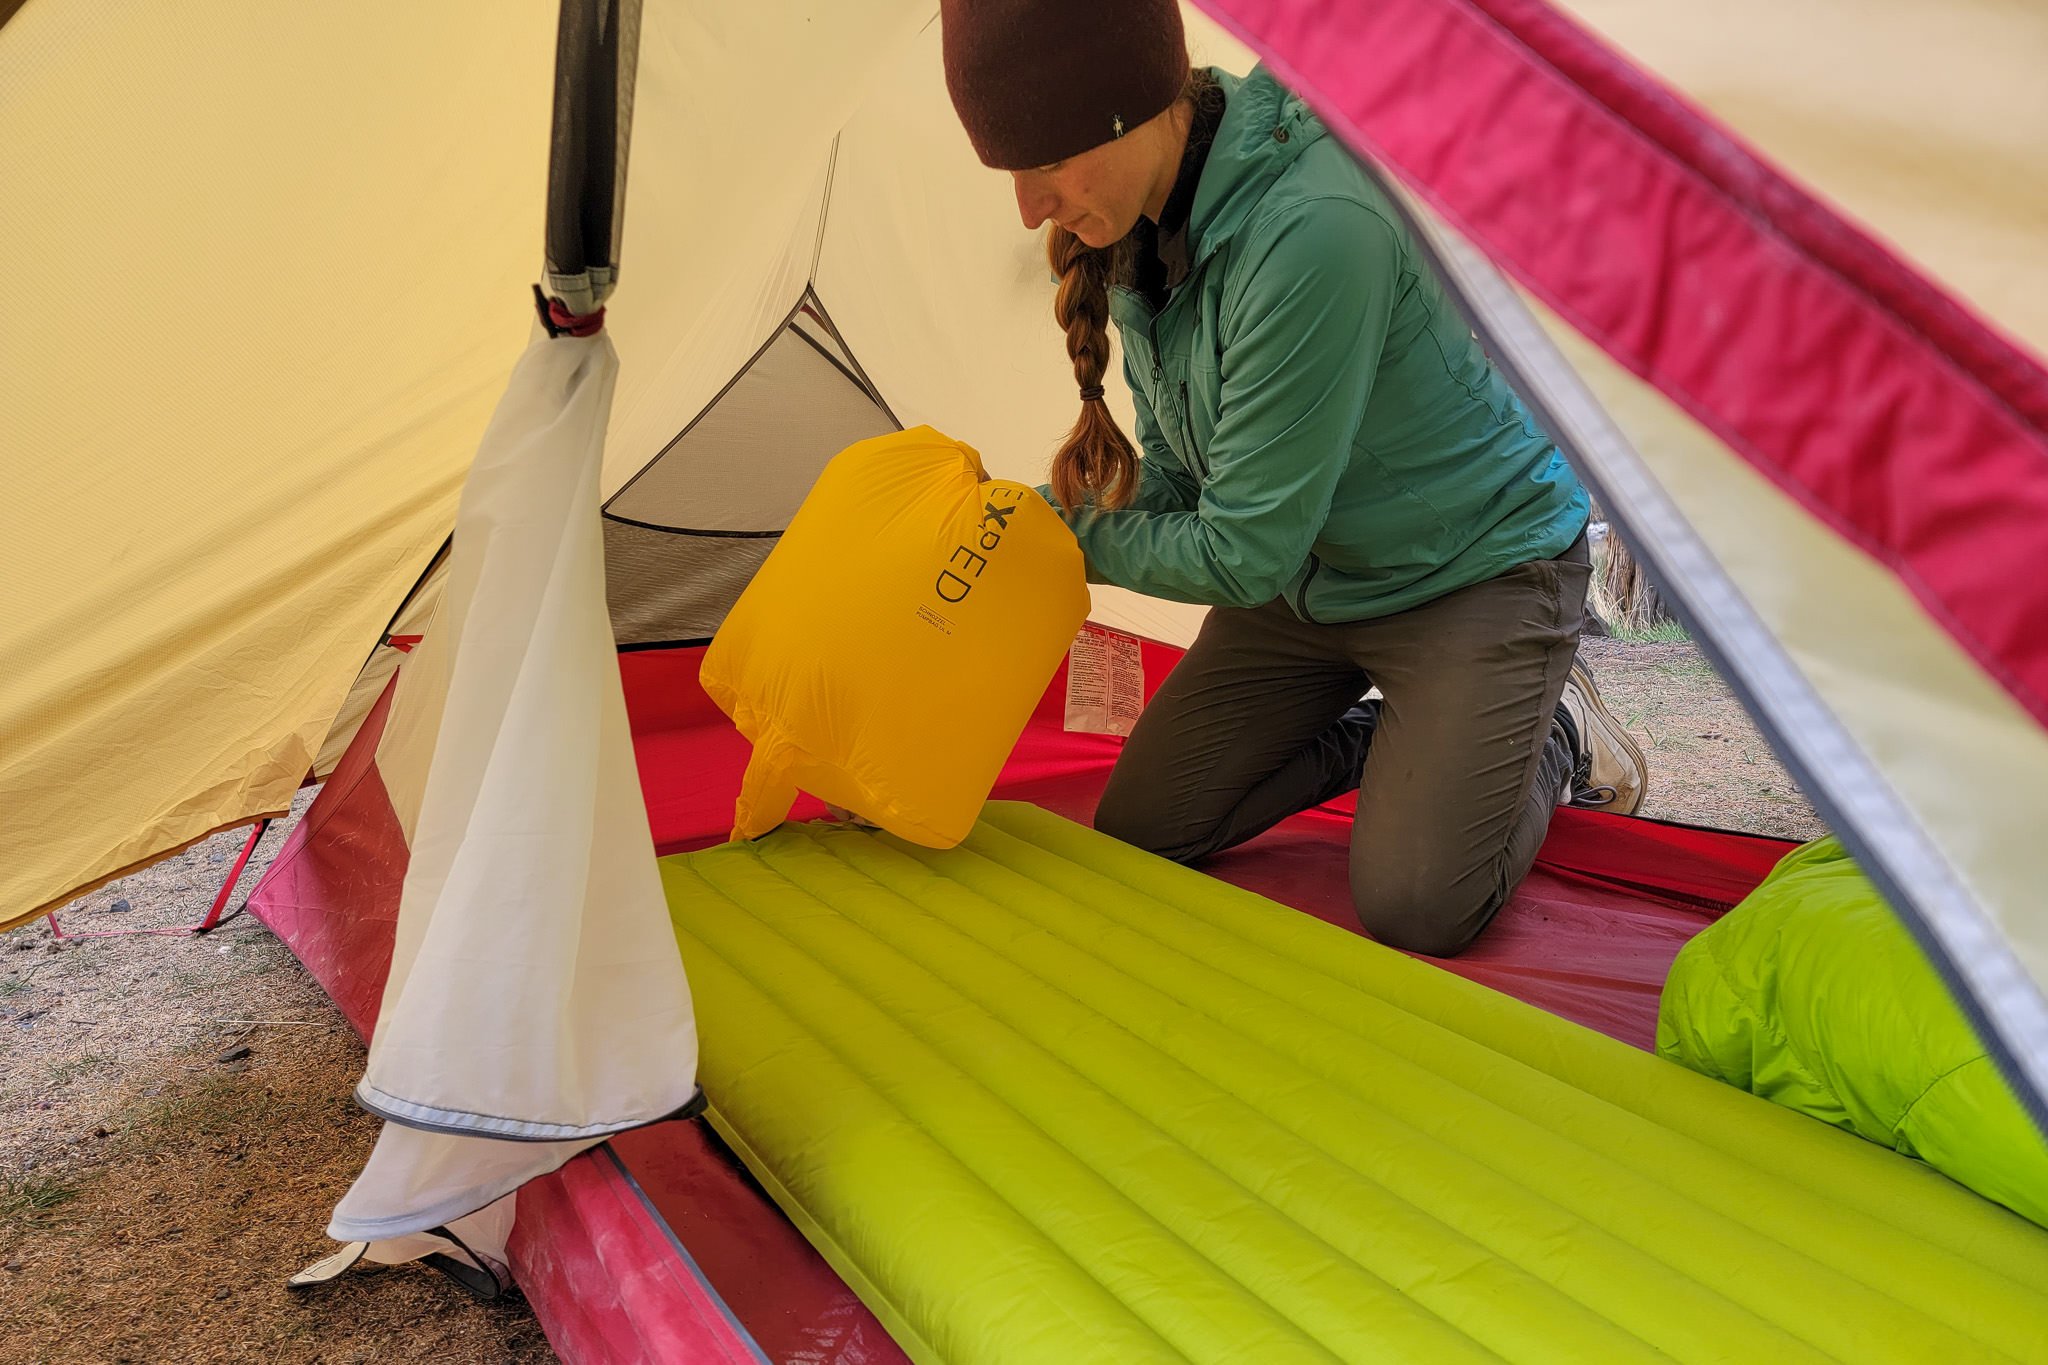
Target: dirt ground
pixel 1708 765
pixel 176 1121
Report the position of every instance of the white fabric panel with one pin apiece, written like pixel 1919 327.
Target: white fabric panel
pixel 405 751
pixel 411 619
pixel 684 333
pixel 736 111
pixel 937 288
pixel 416 1180
pixel 487 1232
pixel 536 991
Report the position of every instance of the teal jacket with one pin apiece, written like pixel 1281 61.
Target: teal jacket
pixel 1315 422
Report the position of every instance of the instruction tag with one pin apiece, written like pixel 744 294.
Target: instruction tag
pixel 1105 682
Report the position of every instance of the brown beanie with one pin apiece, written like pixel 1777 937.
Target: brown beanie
pixel 1038 81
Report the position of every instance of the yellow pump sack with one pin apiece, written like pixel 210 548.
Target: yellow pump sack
pixel 890 650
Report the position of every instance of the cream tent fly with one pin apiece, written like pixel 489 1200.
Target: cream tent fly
pixel 1771 273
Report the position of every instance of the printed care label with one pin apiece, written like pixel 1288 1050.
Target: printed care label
pixel 1105 682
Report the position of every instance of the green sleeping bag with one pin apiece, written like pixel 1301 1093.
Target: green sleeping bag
pixel 1812 994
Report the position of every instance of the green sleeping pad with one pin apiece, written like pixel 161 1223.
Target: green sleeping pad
pixel 1812 994
pixel 1045 1098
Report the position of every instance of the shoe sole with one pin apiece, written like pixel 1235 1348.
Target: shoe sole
pixel 1597 706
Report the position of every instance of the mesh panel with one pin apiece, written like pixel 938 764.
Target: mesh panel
pixel 747 463
pixel 664 586
pixel 711 504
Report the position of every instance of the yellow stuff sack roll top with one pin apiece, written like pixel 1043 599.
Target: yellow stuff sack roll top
pixel 890 650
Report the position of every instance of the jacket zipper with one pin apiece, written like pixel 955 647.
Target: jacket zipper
pixel 1301 596
pixel 1187 431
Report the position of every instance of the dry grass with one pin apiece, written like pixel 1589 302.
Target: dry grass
pixel 1708 765
pixel 153 1199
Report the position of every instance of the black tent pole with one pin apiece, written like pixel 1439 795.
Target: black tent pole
pixel 596 53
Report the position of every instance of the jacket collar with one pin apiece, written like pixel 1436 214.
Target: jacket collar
pixel 1265 128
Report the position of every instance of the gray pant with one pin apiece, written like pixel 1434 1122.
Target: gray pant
pixel 1457 769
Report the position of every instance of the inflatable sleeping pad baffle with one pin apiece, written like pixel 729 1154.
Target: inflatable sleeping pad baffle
pixel 1046 1099
pixel 1812 994
pixel 890 650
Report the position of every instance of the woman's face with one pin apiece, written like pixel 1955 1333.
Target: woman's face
pixel 1099 194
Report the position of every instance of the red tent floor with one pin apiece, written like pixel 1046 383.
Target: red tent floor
pixel 652 1247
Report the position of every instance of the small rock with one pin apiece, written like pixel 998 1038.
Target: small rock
pixel 120 907
pixel 221 1292
pixel 24 944
pixel 15 1266
pixel 102 1132
pixel 234 1054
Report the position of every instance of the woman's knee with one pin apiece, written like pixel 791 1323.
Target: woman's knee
pixel 1129 818
pixel 1434 920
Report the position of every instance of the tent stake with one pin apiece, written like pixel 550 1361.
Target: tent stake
pixel 213 915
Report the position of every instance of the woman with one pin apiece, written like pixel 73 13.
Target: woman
pixel 1328 459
